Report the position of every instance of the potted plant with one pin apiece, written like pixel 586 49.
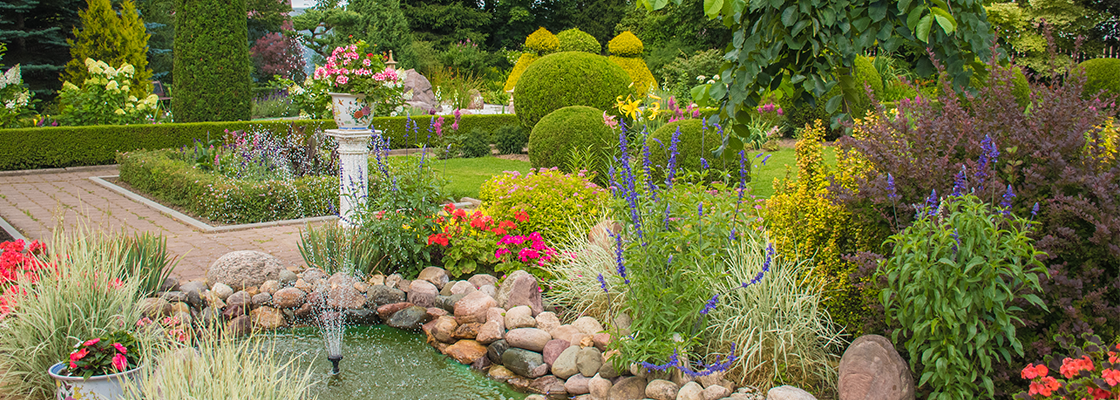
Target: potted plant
pixel 97 368
pixel 360 86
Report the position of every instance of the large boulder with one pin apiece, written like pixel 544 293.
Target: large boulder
pixel 528 338
pixel 872 369
pixel 629 388
pixel 422 293
pixel 490 331
pixel 589 360
pixel 520 289
pixel 786 392
pixel 244 268
pixel 268 318
pixel 474 306
pixel 466 351
pixel 418 91
pixel 410 318
pixel 660 389
pixel 436 275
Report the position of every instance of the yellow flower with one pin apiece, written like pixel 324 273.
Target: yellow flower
pixel 654 108
pixel 112 86
pixel 629 107
pixel 406 227
pixel 119 112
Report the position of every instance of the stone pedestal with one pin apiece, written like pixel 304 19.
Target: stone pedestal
pixel 353 169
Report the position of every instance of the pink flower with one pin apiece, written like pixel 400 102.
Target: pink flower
pixel 78 355
pixel 1111 376
pixel 365 62
pixel 120 348
pixel 143 322
pixel 91 342
pixel 342 79
pixel 120 362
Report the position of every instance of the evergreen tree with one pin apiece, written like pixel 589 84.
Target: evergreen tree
pixel 35 32
pixel 212 66
pixel 158 16
pixel 445 22
pixel 113 38
pixel 382 23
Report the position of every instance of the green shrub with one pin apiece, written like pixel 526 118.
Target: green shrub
pixel 212 64
pixel 577 40
pixel 679 76
pixel 57 147
pixel 510 139
pixel 574 128
pixel 953 282
pixel 554 201
pixel 1101 74
pixel 104 98
pixel 863 72
pixel 542 42
pixel 114 36
pixel 568 79
pixel 638 72
pixel 696 142
pixel 476 143
pixel 626 45
pixel 222 199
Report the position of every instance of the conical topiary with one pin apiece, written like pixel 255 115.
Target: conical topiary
pixel 626 45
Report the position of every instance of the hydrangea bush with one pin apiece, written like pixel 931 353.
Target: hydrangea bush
pixel 13 96
pixel 104 99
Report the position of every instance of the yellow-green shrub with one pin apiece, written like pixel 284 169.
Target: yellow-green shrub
pixel 542 42
pixel 804 222
pixel 577 40
pixel 554 201
pixel 639 73
pixel 626 45
pixel 522 63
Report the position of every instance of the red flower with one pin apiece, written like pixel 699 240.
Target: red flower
pixel 521 216
pixel 78 355
pixel 438 238
pixel 120 362
pixel 499 231
pixel 1032 371
pixel 459 214
pixel 1044 386
pixel 1071 367
pixel 1111 376
pixel 449 208
pixel 91 342
pixel 507 225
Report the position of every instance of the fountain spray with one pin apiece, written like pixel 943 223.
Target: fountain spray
pixel 331 326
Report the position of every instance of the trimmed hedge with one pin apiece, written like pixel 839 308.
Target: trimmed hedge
pixel 577 40
pixel 57 147
pixel 226 200
pixel 394 127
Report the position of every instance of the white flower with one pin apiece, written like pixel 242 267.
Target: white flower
pixel 69 86
pixel 112 86
pixel 119 112
pixel 127 69
pixel 701 78
pixel 11 77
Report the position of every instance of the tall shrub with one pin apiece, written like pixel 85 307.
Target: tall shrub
pixel 212 67
pixel 112 38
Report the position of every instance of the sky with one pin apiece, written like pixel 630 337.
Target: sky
pixel 302 3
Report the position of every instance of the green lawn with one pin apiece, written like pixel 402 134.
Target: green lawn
pixel 466 175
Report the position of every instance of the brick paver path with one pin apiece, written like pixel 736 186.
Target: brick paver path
pixel 33 202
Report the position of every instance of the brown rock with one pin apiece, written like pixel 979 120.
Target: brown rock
pixel 154 307
pixel 500 373
pixel 520 383
pixel 341 293
pixel 520 289
pixel 691 391
pixel 481 280
pixel 599 387
pixel 304 312
pixel 421 89
pixel 565 332
pixel 375 280
pixel 497 314
pixel 461 287
pixel 716 392
pixel 422 293
pixel 872 369
pixel 520 317
pixel 466 351
pixel 553 348
pixel 240 326
pixel 601 341
pixel 270 286
pixel 436 275
pixel 660 389
pixel 474 306
pixel 549 385
pixel 268 318
pixel 588 325
pixel 588 361
pixel 468 331
pixel 394 280
pixel 388 310
pixel 490 332
pixel 436 312
pixel 630 388
pixel 444 329
pixel 547 321
pixel 528 338
pixel 577 385
pixel 786 392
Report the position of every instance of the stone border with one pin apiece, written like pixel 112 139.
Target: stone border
pixel 13 232
pixel 204 227
pixel 19 172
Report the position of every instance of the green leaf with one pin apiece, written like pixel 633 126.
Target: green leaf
pixel 922 32
pixel 789 16
pixel 833 103
pixel 903 5
pixel 877 11
pixel 946 20
pixel 712 8
pixel 913 18
pixel 700 95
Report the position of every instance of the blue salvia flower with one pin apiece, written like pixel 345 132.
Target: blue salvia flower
pixel 732 235
pixel 612 175
pixel 674 362
pixel 931 203
pixel 703 164
pixel 892 193
pixel 603 283
pixel 1034 210
pixel 1006 203
pixel 960 181
pixel 765 159
pixel 619 258
pixel 742 173
pixel 700 210
pixel 672 167
pixel 711 304
pixel 989 155
pixel 666 218
pixel 708 369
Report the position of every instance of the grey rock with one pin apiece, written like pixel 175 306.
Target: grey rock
pixel 393 280
pixel 565 365
pixel 270 286
pixel 588 325
pixel 577 385
pixel 170 284
pixel 193 286
pixel 262 299
pixel 523 362
pixel 221 290
pixel 379 295
pixel 210 316
pixel 287 277
pixel 244 268
pixel 361 316
pixel 490 290
pixel 239 326
pixel 547 321
pixel 418 91
pixel 588 361
pixel 691 391
pixel 495 350
pixel 173 296
pixel 462 287
pixel 409 318
pixel 788 393
pixel 872 369
pixel 313 275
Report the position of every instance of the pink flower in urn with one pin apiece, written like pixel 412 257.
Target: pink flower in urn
pixel 120 348
pixel 342 79
pixel 120 362
pixel 91 342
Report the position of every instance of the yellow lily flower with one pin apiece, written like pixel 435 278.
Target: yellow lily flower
pixel 629 107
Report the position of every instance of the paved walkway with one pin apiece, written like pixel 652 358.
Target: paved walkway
pixel 34 202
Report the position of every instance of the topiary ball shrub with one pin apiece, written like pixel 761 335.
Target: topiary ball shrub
pixel 1101 74
pixel 639 73
pixel 476 143
pixel 577 40
pixel 569 78
pixel 626 45
pixel 519 68
pixel 695 141
pixel 572 129
pixel 542 42
pixel 510 139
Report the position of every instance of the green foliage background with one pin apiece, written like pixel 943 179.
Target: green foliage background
pixel 212 66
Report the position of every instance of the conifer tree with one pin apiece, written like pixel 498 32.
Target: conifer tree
pixel 212 66
pixel 112 37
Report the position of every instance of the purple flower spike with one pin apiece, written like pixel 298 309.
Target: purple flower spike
pixel 603 283
pixel 619 259
pixel 1006 203
pixel 1034 210
pixel 891 192
pixel 960 181
pixel 711 304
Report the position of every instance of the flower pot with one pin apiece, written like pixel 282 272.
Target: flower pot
pixel 351 111
pixel 98 387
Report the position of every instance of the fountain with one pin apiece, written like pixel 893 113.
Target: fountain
pixel 331 326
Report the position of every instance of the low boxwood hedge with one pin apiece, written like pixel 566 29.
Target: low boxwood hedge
pixel 72 146
pixel 222 199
